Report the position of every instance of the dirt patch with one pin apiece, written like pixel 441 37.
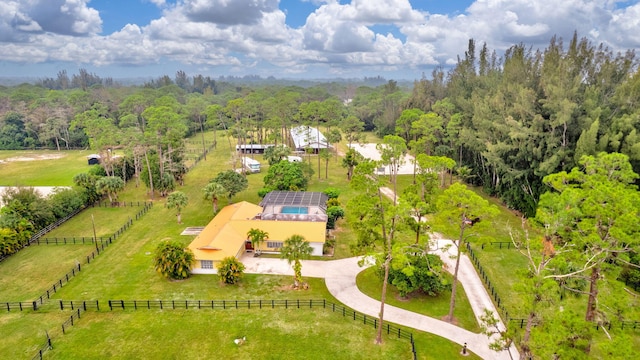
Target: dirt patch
pixel 292 287
pixel 33 158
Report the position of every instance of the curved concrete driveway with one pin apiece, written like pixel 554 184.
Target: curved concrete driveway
pixel 340 278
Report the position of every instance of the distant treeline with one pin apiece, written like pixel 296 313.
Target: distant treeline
pixel 510 119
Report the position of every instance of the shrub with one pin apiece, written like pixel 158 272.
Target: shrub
pixel 332 192
pixel 230 270
pixel 333 214
pixel 421 273
pixel 172 260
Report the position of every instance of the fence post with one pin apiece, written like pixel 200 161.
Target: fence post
pixel 35 305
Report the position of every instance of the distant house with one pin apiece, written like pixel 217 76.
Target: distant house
pixel 93 159
pixel 307 137
pixel 280 214
pixel 250 164
pixel 253 148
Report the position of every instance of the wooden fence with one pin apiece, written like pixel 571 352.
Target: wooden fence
pixel 58 284
pixel 79 306
pixel 20 306
pixel 75 316
pixel 47 345
pixel 500 244
pixel 488 285
pixel 623 325
pixel 106 204
pixel 50 227
pixel 201 156
pixel 84 240
pixel 99 248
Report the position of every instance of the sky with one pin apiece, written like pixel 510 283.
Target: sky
pixel 292 39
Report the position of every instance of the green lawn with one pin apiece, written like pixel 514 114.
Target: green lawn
pixel 29 273
pixel 437 307
pixel 23 333
pixel 48 168
pixel 500 265
pixel 107 220
pixel 270 334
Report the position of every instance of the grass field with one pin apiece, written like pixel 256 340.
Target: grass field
pixel 107 220
pixel 41 168
pixel 437 307
pixel 37 267
pixel 23 333
pixel 270 334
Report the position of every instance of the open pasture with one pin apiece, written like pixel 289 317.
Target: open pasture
pixel 105 218
pixel 41 168
pixel 270 334
pixel 26 275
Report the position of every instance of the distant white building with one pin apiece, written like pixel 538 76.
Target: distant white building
pixel 307 137
pixel 253 148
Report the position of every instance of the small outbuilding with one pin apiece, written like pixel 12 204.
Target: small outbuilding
pixel 93 159
pixel 252 148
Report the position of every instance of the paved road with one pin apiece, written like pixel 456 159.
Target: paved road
pixel 369 151
pixel 340 278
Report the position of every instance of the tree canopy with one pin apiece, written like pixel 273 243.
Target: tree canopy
pixel 232 182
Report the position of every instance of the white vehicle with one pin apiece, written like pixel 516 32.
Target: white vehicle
pixel 250 164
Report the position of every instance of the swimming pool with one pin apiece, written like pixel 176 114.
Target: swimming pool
pixel 294 210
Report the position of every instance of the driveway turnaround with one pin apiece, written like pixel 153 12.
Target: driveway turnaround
pixel 369 151
pixel 340 278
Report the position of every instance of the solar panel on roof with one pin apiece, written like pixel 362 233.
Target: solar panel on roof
pixel 295 198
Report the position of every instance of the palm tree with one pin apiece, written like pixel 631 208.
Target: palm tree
pixel 110 185
pixel 178 200
pixel 275 154
pixel 214 191
pixel 296 248
pixel 172 260
pixel 257 236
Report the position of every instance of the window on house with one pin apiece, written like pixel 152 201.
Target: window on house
pixel 274 244
pixel 206 264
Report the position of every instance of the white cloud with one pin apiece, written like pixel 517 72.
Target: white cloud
pixel 158 3
pixel 21 20
pixel 623 31
pixel 65 17
pixel 382 11
pixel 337 37
pixel 228 12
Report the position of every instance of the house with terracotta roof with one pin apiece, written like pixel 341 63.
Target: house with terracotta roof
pixel 280 214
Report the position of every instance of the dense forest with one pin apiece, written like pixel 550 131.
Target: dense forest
pixel 508 120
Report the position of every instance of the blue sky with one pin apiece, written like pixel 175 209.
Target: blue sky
pixel 396 39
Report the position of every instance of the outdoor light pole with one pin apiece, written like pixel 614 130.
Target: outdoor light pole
pixel 95 238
